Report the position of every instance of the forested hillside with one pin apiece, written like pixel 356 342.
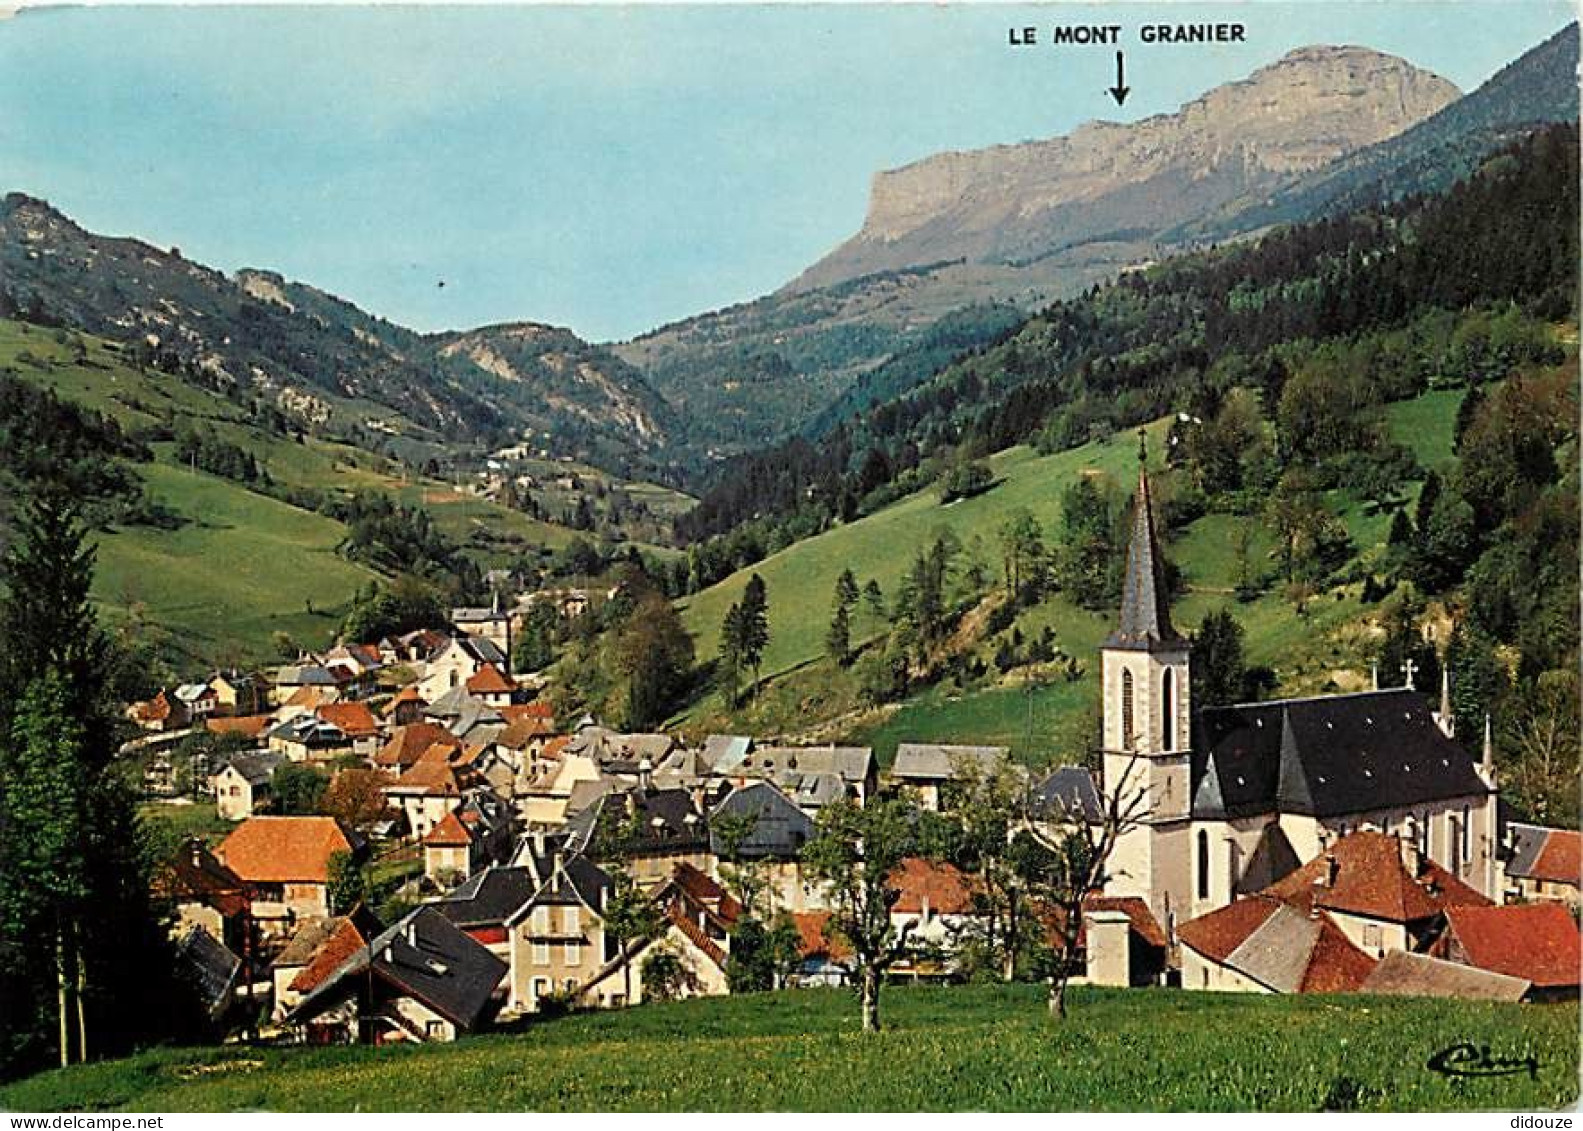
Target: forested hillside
pixel 1365 452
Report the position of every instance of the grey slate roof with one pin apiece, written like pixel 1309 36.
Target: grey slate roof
pixel 210 968
pixel 723 753
pixel 422 956
pixel 1145 614
pixel 1068 792
pixel 256 767
pixel 1527 842
pixel 1401 972
pixel 489 898
pixel 852 764
pixel 1325 757
pixel 921 761
pixel 1277 953
pixel 780 829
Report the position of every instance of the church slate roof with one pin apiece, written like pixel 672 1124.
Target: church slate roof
pixel 1145 613
pixel 1326 757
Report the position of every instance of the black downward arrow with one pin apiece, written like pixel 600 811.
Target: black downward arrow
pixel 1120 91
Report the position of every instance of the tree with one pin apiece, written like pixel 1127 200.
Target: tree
pixel 874 598
pixel 755 627
pixel 355 797
pixel 535 645
pixel 838 637
pixel 1064 868
pixel 297 789
pixel 631 917
pixel 1219 671
pixel 651 657
pixel 1086 560
pixel 846 590
pixel 1545 737
pixel 964 481
pixel 79 942
pixel 987 805
pixel 666 977
pixel 1022 553
pixel 406 604
pixel 348 885
pixel 852 855
pixel 46 874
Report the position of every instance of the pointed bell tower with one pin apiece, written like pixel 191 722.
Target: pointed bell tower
pixel 1146 675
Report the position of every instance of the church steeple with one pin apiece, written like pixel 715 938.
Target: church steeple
pixel 1145 614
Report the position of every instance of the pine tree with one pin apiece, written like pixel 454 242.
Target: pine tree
pixel 85 966
pixel 754 630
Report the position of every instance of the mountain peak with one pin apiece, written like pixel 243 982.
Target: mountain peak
pixel 987 206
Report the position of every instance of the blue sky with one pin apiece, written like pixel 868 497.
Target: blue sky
pixel 605 168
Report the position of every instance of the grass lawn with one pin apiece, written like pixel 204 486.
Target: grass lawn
pixel 945 1048
pixel 178 822
pixel 246 567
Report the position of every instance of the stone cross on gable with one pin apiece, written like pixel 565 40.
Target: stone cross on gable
pixel 1409 667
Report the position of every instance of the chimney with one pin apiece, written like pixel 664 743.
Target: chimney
pixel 560 862
pixel 411 932
pixel 645 773
pixel 389 955
pixel 1411 858
pixel 538 842
pixel 196 847
pixel 1332 869
pixel 700 798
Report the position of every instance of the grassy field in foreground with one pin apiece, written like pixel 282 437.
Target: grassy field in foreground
pixel 944 1048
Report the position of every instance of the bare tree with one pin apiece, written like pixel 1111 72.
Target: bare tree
pixel 1064 867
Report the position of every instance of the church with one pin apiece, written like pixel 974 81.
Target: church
pixel 1228 800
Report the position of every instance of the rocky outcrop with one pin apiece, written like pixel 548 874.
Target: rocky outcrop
pixel 1107 181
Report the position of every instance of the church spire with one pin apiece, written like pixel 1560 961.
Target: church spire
pixel 1145 615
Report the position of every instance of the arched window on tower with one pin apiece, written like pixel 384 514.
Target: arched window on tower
pixel 1127 735
pixel 1168 710
pixel 1203 864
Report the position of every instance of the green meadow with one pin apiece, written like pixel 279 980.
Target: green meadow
pixel 948 1048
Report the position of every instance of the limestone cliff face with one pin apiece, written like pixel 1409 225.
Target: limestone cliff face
pixel 1013 203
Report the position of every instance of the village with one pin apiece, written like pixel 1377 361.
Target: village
pixel 1336 844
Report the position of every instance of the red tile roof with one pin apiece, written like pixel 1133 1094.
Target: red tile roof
pixel 346 941
pixel 1538 942
pixel 1370 879
pixel 811 939
pixel 432 773
pixel 1336 965
pixel 1138 915
pixel 1560 861
pixel 354 719
pixel 1220 932
pixel 515 711
pixel 490 680
pixel 278 850
pixel 407 744
pixel 408 694
pixel 310 697
pixel 695 935
pixel 154 710
pixel 449 833
pixel 705 892
pixel 250 726
pixel 947 890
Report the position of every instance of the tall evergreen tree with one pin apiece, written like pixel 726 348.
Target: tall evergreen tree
pixel 85 967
